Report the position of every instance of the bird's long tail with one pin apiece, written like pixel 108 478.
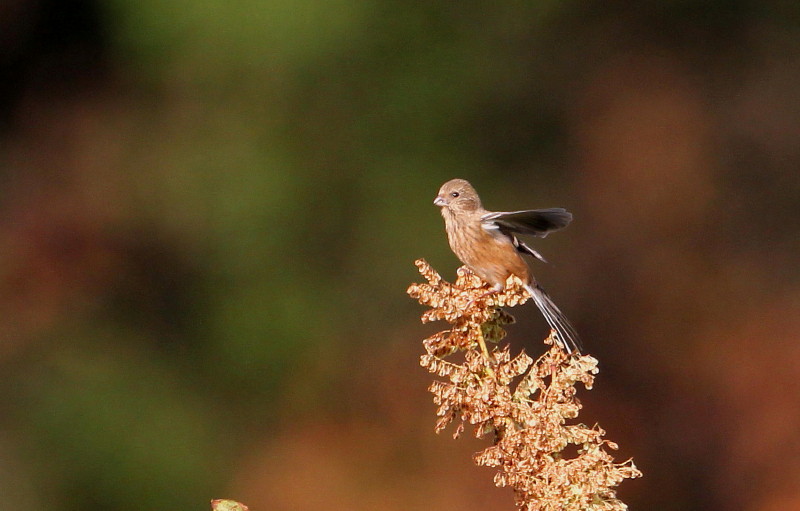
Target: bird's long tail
pixel 567 336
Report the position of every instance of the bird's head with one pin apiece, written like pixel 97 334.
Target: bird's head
pixel 458 195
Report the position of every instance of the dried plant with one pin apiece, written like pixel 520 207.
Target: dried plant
pixel 523 404
pixel 227 505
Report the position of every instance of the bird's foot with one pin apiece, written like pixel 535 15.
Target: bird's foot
pixel 483 296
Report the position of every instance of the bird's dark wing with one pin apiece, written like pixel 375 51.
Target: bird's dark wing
pixel 535 222
pixel 525 249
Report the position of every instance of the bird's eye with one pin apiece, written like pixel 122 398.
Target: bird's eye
pixel 455 194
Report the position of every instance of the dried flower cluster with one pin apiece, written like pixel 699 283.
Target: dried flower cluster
pixel 524 405
pixel 227 505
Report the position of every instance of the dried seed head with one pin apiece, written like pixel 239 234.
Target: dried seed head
pixel 524 404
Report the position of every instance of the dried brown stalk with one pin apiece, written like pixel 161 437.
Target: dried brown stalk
pixel 523 404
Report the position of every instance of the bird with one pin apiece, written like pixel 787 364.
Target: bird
pixel 487 243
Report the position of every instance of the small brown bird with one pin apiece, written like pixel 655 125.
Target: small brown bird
pixel 486 242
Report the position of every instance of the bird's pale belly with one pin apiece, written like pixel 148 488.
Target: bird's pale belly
pixel 494 261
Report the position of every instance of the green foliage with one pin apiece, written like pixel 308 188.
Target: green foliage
pixel 119 430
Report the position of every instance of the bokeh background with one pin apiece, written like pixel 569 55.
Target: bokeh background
pixel 209 213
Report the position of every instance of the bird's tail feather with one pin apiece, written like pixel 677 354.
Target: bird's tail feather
pixel 567 336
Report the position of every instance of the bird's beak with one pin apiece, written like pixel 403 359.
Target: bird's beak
pixel 439 201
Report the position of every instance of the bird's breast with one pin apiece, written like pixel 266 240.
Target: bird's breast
pixel 492 258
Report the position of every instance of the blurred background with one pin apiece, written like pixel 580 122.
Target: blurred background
pixel 209 213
